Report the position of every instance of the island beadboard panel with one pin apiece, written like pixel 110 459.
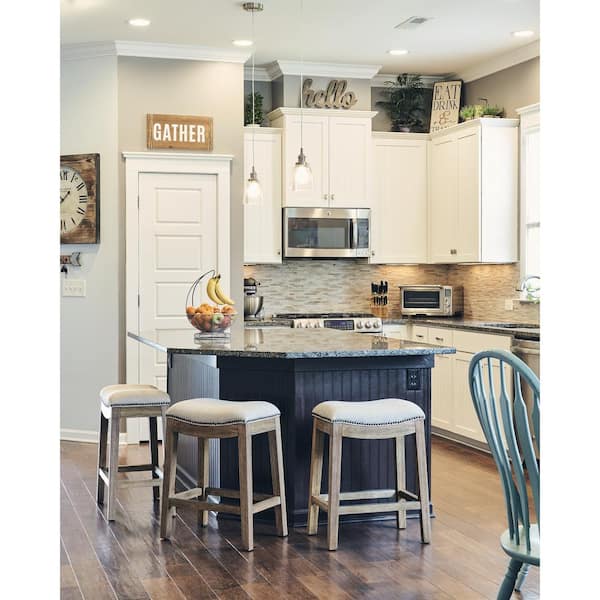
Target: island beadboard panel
pixel 344 285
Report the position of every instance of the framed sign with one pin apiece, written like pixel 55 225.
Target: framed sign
pixel 445 105
pixel 183 132
pixel 80 199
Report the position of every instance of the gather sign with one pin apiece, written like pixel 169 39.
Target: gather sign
pixel 184 132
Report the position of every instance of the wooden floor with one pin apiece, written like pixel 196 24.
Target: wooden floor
pixel 126 559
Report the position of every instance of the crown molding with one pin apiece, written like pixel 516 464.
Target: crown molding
pixel 529 109
pixel 152 50
pixel 499 63
pixel 428 80
pixel 260 74
pixel 282 111
pixel 318 69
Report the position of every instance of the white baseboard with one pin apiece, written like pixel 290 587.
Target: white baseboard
pixel 86 436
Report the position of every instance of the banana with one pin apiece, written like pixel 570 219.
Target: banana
pixel 211 290
pixel 224 298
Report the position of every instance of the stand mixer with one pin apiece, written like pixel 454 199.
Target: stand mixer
pixel 253 303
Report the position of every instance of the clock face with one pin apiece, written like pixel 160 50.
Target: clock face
pixel 73 199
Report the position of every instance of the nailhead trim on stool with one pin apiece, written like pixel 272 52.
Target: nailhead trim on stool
pixel 125 401
pixel 376 419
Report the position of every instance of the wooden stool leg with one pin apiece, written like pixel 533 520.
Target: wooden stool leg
pixel 276 458
pixel 170 469
pixel 246 498
pixel 423 483
pixel 335 471
pixel 154 453
pixel 400 478
pixel 113 463
pixel 102 442
pixel 316 474
pixel 203 472
pixel 163 414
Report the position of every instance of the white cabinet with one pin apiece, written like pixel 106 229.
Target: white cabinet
pixel 473 200
pixel 399 207
pixel 337 145
pixel 262 223
pixel 397 331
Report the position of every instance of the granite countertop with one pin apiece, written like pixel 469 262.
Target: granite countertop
pixel 279 342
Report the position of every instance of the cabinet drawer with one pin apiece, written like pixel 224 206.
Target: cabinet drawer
pixel 419 333
pixel 440 336
pixel 467 341
pixel 397 332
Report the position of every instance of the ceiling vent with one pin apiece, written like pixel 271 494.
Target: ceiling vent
pixel 412 23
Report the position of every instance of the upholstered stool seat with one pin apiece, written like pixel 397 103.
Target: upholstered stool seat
pixel 122 401
pixel 388 411
pixel 376 419
pixel 211 411
pixel 206 418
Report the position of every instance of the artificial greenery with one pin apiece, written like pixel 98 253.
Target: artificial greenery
pixel 476 111
pixel 258 115
pixel 404 103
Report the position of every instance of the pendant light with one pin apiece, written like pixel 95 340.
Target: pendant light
pixel 303 178
pixel 253 193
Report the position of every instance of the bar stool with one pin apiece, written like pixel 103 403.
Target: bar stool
pixel 116 402
pixel 206 418
pixel 377 419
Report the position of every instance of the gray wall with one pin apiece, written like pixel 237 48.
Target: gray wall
pixel 510 88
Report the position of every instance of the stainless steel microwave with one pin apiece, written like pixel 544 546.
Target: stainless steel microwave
pixel 431 300
pixel 326 232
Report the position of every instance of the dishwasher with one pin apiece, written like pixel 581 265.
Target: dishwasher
pixel 529 352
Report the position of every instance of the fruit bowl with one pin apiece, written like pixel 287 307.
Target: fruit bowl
pixel 211 319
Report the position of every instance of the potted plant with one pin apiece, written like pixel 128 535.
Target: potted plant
pixel 258 114
pixel 405 103
pixel 492 111
pixel 467 112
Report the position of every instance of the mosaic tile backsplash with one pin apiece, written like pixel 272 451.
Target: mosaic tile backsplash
pixel 345 285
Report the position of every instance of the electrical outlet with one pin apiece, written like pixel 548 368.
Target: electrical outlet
pixel 73 287
pixel 508 304
pixel 413 379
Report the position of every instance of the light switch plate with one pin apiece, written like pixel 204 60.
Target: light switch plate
pixel 508 304
pixel 73 287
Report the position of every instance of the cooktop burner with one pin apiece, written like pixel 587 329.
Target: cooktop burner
pixel 345 315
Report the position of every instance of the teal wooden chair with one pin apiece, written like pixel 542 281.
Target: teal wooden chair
pixel 497 380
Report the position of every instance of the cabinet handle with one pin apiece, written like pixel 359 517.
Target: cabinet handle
pixel 278 252
pixel 333 196
pixel 419 335
pixel 453 251
pixel 325 196
pixel 439 339
pixel 372 252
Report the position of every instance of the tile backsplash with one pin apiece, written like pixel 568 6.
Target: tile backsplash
pixel 345 285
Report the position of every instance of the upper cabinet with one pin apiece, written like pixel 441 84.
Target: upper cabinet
pixel 337 145
pixel 399 206
pixel 473 192
pixel 262 223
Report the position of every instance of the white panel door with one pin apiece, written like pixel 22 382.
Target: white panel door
pixel 466 422
pixel 442 392
pixel 443 208
pixel 315 144
pixel 468 240
pixel 399 212
pixel 349 162
pixel 177 243
pixel 262 223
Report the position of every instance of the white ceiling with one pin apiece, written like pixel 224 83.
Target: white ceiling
pixel 461 33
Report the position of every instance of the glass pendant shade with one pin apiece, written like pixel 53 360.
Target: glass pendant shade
pixel 253 195
pixel 303 178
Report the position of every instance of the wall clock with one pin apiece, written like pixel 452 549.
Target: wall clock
pixel 80 199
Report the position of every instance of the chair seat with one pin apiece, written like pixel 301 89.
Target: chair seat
pixel 388 411
pixel 211 411
pixel 133 394
pixel 519 551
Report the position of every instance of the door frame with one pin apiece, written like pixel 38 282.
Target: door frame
pixel 136 164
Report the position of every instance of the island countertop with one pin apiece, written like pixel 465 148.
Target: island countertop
pixel 274 342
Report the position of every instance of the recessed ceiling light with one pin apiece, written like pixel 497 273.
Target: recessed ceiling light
pixel 139 22
pixel 397 52
pixel 242 43
pixel 524 33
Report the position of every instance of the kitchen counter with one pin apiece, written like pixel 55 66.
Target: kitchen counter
pixel 295 370
pixel 287 343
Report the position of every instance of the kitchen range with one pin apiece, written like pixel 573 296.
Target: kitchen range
pixel 358 322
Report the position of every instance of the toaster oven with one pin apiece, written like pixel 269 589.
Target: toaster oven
pixel 431 300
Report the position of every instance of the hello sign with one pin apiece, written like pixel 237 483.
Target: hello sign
pixel 335 96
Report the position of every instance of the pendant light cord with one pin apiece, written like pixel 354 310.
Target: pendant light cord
pixel 253 117
pixel 301 71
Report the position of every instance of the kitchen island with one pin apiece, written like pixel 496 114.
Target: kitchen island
pixel 295 370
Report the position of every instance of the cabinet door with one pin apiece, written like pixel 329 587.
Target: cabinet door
pixel 443 200
pixel 466 422
pixel 349 162
pixel 315 143
pixel 468 233
pixel 399 212
pixel 262 223
pixel 442 392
